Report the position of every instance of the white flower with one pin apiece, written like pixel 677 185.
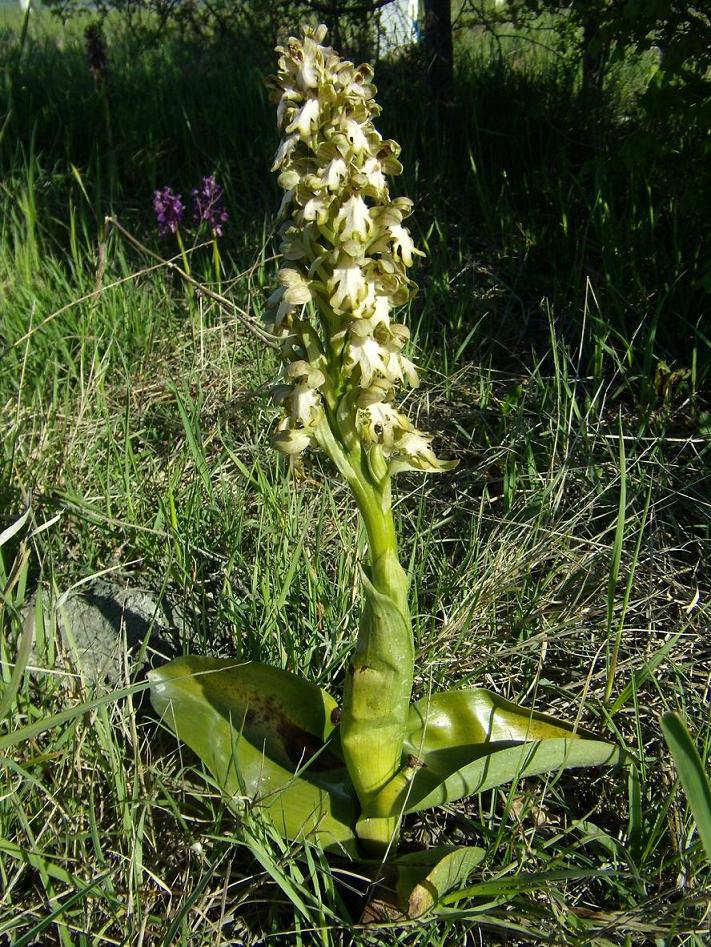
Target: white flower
pixel 372 176
pixel 291 442
pixel 334 173
pixel 401 368
pixel 277 310
pixel 303 371
pixel 286 202
pixel 292 245
pixel 288 180
pixel 348 283
pixel 414 453
pixel 286 146
pixel 366 353
pixel 289 97
pixel 316 209
pixel 403 244
pixel 382 423
pixel 381 311
pixel 308 72
pixel 305 117
pixel 348 254
pixel 353 219
pixel 298 295
pixel 305 404
pixel 296 285
pixel 355 135
pixel 356 82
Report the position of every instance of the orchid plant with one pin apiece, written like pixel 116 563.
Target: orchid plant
pixel 208 209
pixel 344 777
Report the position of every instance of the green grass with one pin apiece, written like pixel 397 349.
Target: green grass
pixel 560 320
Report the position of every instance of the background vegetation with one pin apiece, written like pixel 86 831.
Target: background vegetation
pixel 562 319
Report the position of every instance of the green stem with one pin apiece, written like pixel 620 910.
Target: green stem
pixel 379 678
pixel 216 262
pixel 378 686
pixel 183 254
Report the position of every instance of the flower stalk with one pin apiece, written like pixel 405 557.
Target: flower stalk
pixel 345 259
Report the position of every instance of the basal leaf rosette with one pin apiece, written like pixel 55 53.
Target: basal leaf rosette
pixel 346 254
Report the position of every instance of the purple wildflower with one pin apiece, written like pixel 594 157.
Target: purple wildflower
pixel 208 205
pixel 169 210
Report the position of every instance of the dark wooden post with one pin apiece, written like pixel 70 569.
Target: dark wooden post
pixel 438 49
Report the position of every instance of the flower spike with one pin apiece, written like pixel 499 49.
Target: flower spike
pixel 346 255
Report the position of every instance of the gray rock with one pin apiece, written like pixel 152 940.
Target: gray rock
pixel 106 627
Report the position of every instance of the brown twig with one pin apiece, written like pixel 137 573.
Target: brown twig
pixel 242 317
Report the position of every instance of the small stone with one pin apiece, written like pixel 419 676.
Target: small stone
pixel 104 627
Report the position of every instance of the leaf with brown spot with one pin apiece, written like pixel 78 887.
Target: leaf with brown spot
pixel 266 735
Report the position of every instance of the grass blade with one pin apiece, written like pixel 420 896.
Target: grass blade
pixel 615 568
pixel 692 775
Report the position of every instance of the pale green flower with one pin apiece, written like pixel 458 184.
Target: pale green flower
pixel 347 254
pixel 353 219
pixel 347 284
pixel 290 441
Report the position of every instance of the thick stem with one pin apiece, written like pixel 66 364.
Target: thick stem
pixel 378 687
pixel 378 684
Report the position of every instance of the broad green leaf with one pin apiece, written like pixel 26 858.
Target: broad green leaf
pixel 692 776
pixel 476 716
pixel 464 742
pixel 424 877
pixel 264 735
pixel 409 886
pixel 499 766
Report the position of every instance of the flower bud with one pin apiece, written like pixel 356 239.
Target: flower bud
pixel 291 442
